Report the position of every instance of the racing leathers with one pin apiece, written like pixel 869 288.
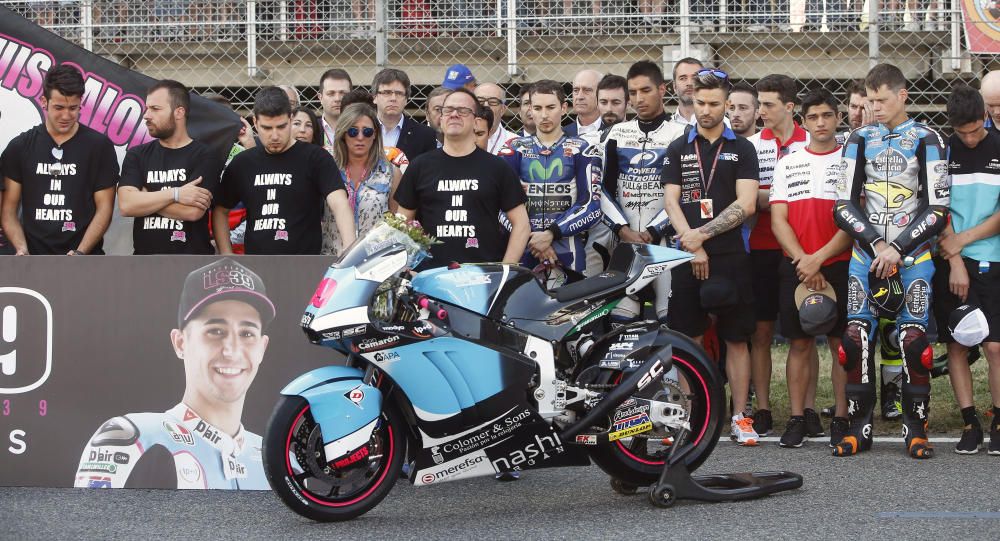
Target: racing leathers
pixel 894 189
pixel 631 164
pixel 173 449
pixel 564 197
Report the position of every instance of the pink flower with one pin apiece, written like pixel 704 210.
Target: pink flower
pixel 414 223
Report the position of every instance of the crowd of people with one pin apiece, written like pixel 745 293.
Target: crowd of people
pixel 862 236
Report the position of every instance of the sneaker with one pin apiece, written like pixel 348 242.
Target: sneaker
pixel 838 429
pixel 741 431
pixel 762 422
pixel 892 407
pixel 509 476
pixel 827 411
pixel 814 428
pixel 972 438
pixel 795 433
pixel 994 448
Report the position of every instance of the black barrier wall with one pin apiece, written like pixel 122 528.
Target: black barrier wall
pixel 86 340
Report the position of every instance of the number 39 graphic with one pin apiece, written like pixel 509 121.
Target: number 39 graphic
pixel 25 340
pixel 8 333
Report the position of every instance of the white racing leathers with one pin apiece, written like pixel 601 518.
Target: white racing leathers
pixel 631 161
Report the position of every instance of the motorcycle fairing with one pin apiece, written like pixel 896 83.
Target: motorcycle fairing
pixel 346 409
pixel 445 376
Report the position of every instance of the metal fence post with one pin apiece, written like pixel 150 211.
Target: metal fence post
pixel 873 34
pixel 252 69
pixel 381 34
pixel 956 35
pixel 685 28
pixel 87 24
pixel 512 68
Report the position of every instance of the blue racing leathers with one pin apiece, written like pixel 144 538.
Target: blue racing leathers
pixel 894 189
pixel 564 196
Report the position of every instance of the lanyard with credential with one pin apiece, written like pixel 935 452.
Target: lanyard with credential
pixel 701 171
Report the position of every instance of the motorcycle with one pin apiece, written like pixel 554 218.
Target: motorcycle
pixel 474 370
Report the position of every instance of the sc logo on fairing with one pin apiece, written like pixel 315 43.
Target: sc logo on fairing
pixel 25 340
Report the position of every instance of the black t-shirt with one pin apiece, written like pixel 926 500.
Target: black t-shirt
pixel 152 167
pixel 458 201
pixel 737 159
pixel 5 247
pixel 284 196
pixel 57 189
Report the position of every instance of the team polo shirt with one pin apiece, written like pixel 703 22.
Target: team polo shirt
pixel 806 182
pixel 770 150
pixel 975 191
pixel 737 160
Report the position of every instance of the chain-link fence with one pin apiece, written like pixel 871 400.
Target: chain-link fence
pixel 232 47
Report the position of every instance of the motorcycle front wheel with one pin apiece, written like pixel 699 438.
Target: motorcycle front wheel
pixel 334 489
pixel 697 385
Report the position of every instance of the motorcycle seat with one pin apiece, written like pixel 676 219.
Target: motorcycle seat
pixel 589 286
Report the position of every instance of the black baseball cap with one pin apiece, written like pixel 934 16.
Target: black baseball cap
pixel 817 309
pixel 885 295
pixel 222 280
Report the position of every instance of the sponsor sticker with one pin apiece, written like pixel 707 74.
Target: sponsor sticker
pixel 631 431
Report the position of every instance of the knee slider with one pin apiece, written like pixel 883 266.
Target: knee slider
pixel 855 347
pixel 917 352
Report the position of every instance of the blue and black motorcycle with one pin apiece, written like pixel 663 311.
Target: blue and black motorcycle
pixel 473 370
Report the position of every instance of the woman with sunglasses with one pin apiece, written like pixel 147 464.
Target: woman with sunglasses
pixel 370 178
pixel 305 126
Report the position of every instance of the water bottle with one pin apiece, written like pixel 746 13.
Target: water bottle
pixel 984 267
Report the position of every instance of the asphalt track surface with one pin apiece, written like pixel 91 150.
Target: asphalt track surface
pixel 874 495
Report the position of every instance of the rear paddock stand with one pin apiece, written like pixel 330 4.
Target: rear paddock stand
pixel 677 483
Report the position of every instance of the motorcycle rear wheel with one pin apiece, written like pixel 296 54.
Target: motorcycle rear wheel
pixel 313 486
pixel 636 461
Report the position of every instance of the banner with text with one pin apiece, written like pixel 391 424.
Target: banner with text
pixel 113 101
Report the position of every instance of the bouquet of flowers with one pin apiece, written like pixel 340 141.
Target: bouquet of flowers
pixel 412 229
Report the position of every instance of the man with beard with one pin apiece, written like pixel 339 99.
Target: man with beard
pixel 710 178
pixel 59 176
pixel 683 82
pixel 612 103
pixel 563 201
pixel 744 110
pixel 524 111
pixel 167 184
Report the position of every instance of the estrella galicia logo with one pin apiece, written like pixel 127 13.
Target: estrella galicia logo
pixel 25 340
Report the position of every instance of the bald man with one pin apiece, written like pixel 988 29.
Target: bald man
pixel 990 90
pixel 293 95
pixel 493 96
pixel 588 117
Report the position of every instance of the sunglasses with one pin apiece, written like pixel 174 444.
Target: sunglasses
pixel 709 71
pixel 56 168
pixel 367 132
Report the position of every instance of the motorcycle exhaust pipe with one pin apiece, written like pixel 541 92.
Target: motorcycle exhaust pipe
pixel 660 363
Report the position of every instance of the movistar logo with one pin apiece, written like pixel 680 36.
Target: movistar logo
pixel 537 171
pixel 893 193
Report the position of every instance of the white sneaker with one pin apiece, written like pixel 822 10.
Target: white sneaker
pixel 742 432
